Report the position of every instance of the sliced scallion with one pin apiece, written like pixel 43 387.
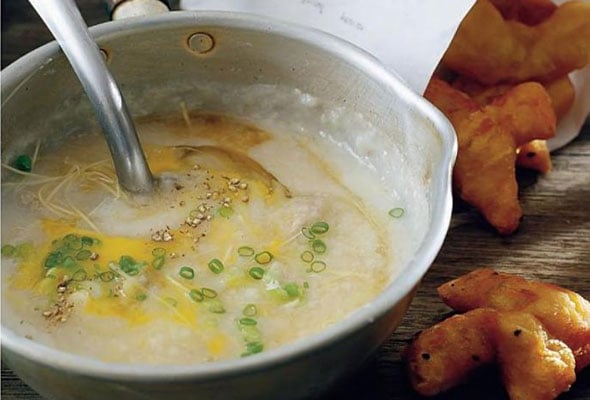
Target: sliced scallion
pixel 196 295
pixel 263 258
pixel 397 212
pixel 8 250
pixel 158 262
pixel 216 266
pixel 305 231
pixel 80 275
pixel 23 163
pixel 159 252
pixel 319 228
pixel 250 310
pixel 256 273
pixel 318 246
pixel 216 307
pixel 107 276
pixel 246 251
pixel 209 293
pixel 307 256
pixel 141 296
pixel 83 255
pixel 247 321
pixel 292 289
pixel 86 241
pixel 317 266
pixel 187 272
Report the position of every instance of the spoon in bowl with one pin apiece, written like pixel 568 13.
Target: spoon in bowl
pixel 65 22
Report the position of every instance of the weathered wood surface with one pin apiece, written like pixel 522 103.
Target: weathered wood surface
pixel 552 244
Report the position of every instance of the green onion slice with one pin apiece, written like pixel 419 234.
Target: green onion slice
pixel 247 321
pixel 250 310
pixel 107 276
pixel 317 266
pixel 141 296
pixel 196 295
pixel 187 272
pixel 307 256
pixel 69 262
pixel 53 259
pixel 209 293
pixel 225 212
pixel 319 228
pixel 256 273
pixel 159 252
pixel 158 262
pixel 216 307
pixel 87 241
pixel 318 246
pixel 253 348
pixel 292 289
pixel 396 212
pixel 305 231
pixel 216 266
pixel 23 163
pixel 83 255
pixel 8 250
pixel 246 251
pixel 263 258
pixel 80 275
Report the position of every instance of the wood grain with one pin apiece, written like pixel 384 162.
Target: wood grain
pixel 552 244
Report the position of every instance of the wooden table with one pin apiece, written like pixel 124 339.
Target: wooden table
pixel 552 244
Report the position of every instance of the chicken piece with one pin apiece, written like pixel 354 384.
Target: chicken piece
pixel 534 155
pixel 529 12
pixel 564 314
pixel 492 50
pixel 533 365
pixel 484 173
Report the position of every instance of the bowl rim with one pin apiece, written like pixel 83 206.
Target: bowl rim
pixel 400 287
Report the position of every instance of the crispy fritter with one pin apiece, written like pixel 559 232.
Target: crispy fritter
pixel 484 173
pixel 534 155
pixel 444 355
pixel 492 50
pixel 533 365
pixel 564 314
pixel 561 91
pixel 529 12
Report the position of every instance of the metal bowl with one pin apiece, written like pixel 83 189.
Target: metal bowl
pixel 162 60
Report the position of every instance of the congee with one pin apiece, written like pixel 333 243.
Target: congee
pixel 255 238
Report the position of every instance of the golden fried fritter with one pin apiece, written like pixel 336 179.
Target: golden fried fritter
pixel 529 12
pixel 564 314
pixel 484 173
pixel 491 50
pixel 444 355
pixel 533 365
pixel 534 155
pixel 561 91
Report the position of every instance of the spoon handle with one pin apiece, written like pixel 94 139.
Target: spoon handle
pixel 65 22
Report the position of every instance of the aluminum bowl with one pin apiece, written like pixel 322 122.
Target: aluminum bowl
pixel 158 61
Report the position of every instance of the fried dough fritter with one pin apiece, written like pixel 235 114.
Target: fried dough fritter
pixel 533 365
pixel 493 50
pixel 534 155
pixel 529 12
pixel 484 173
pixel 563 313
pixel 561 91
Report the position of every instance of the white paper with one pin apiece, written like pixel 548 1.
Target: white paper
pixel 408 37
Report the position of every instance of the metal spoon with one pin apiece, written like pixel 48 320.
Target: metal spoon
pixel 65 22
